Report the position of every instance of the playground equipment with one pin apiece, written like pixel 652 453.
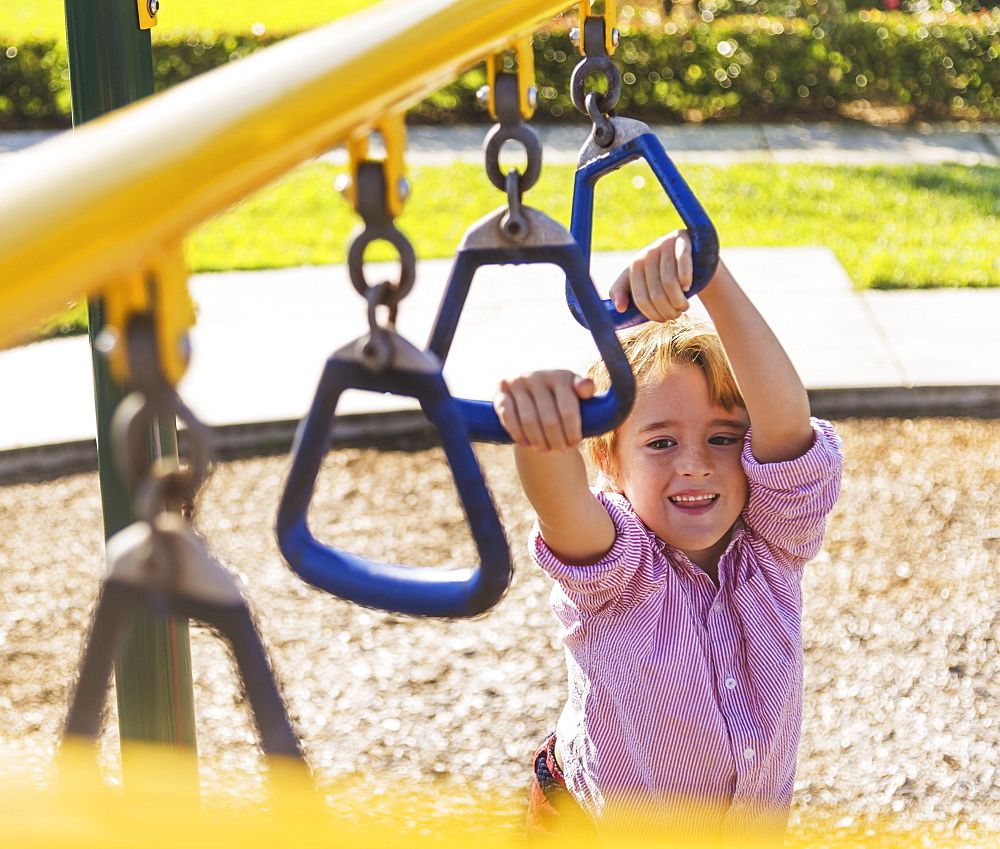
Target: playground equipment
pixel 103 212
pixel 64 233
pixel 383 361
pixel 613 143
pixel 519 235
pixel 161 565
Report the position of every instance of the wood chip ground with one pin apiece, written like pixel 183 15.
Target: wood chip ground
pixel 902 622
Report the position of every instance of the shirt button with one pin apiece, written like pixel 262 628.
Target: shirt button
pixel 717 607
pixel 731 685
pixel 748 753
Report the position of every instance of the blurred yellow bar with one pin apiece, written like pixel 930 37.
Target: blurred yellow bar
pixel 92 207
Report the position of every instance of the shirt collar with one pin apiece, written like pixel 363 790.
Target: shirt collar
pixel 679 560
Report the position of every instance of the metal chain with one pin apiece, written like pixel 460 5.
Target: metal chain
pixel 511 127
pixel 596 60
pixel 160 564
pixel 378 224
pixel 165 483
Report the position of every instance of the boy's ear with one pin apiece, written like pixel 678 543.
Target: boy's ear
pixel 608 472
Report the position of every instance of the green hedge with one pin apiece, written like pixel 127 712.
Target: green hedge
pixel 735 68
pixel 34 75
pixel 758 69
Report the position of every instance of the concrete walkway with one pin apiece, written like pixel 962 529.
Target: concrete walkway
pixel 262 337
pixel 823 142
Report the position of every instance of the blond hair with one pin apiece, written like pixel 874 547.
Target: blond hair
pixel 653 350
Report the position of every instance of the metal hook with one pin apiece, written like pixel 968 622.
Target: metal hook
pixel 156 399
pixel 515 224
pixel 378 224
pixel 495 139
pixel 596 60
pixel 603 132
pixel 376 350
pixel 511 128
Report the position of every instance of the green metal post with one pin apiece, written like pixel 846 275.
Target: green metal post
pixel 111 66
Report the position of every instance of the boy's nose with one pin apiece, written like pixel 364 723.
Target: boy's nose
pixel 695 462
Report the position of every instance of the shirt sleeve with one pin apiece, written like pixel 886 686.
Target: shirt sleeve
pixel 623 576
pixel 789 501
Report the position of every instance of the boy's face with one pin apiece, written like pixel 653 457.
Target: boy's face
pixel 679 464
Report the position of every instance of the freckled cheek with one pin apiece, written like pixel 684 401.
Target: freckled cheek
pixel 649 466
pixel 646 479
pixel 662 470
pixel 743 485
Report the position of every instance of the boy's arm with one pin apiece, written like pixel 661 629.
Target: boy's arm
pixel 772 390
pixel 541 411
pixel 774 395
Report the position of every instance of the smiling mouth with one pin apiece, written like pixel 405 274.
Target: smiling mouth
pixel 693 500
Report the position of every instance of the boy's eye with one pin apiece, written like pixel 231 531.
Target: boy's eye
pixel 660 444
pixel 724 440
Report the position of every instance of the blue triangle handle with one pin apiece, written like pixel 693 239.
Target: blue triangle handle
pixel 479 248
pixel 634 140
pixel 417 591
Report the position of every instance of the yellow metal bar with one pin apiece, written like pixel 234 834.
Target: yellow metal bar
pixel 86 210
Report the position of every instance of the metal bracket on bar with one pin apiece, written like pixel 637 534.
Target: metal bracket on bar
pixel 610 16
pixel 392 129
pixel 162 292
pixel 417 591
pixel 485 243
pixel 527 93
pixel 634 140
pixel 147 13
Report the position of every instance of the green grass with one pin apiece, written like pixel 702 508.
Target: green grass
pixel 890 226
pixel 41 18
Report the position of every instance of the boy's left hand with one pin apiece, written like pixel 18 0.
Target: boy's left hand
pixel 657 278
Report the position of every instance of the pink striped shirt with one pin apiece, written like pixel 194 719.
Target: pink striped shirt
pixel 685 700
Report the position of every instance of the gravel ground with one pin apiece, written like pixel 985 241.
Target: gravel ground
pixel 902 623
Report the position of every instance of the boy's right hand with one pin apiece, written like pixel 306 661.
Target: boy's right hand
pixel 658 278
pixel 541 410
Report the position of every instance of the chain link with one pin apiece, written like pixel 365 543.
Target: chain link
pixel 511 127
pixel 165 483
pixel 378 225
pixel 596 60
pixel 377 202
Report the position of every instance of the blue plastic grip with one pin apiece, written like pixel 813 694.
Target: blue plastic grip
pixel 704 240
pixel 417 591
pixel 599 414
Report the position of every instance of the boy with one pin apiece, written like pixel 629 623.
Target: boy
pixel 678 582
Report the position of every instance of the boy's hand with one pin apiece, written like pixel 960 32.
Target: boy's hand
pixel 658 278
pixel 541 410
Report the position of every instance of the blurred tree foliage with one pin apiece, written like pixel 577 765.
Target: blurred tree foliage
pixel 708 60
